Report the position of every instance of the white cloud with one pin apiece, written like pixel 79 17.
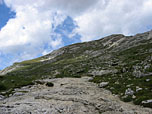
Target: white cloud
pixel 31 29
pixel 117 16
pixel 27 34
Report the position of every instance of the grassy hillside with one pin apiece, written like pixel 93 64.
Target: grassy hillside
pixel 125 62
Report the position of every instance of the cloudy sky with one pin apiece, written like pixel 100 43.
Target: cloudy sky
pixel 32 28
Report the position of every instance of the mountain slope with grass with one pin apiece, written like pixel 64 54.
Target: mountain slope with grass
pixel 121 64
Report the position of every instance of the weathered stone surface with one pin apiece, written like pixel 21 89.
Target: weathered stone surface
pixel 75 96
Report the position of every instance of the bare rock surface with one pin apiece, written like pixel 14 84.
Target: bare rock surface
pixel 67 96
pixel 9 69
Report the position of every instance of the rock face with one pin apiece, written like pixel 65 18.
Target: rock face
pixel 68 96
pixel 9 69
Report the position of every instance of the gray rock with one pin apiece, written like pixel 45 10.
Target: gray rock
pixel 133 96
pixel 137 74
pixel 103 84
pixel 1 97
pixel 102 72
pixel 146 66
pixel 129 91
pixel 148 74
pixel 10 69
pixel 147 80
pixel 138 89
pixel 147 101
pixel 124 70
pixel 18 94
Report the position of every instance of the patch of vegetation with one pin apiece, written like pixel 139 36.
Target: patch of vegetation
pixel 2 87
pixel 29 62
pixel 49 84
pixel 127 98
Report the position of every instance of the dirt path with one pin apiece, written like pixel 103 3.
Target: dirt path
pixel 68 96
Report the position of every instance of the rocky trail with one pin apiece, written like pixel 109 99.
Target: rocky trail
pixel 67 96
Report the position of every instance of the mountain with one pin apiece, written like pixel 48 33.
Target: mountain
pixel 121 64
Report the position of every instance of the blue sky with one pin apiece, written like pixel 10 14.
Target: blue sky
pixel 5 14
pixel 30 29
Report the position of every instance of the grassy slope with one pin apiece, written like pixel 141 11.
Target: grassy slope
pixel 77 64
pixel 122 80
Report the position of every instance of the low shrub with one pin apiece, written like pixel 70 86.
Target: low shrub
pixel 2 87
pixel 49 84
pixel 127 98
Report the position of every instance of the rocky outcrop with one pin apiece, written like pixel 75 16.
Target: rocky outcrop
pixel 9 69
pixel 68 96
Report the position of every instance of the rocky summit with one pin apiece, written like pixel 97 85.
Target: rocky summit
pixel 112 75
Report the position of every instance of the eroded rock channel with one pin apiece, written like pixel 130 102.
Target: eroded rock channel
pixel 67 96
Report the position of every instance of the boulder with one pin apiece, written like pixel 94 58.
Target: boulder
pixel 129 91
pixel 147 101
pixel 147 80
pixel 138 89
pixel 137 74
pixel 103 84
pixel 1 97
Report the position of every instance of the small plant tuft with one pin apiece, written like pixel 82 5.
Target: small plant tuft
pixel 49 84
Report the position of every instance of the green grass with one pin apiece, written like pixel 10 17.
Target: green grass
pixel 31 61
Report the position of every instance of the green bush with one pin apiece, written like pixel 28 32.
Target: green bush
pixel 2 87
pixel 138 100
pixel 147 105
pixel 127 98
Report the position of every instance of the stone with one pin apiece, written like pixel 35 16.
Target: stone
pixel 103 84
pixel 1 97
pixel 39 82
pixel 147 101
pixel 102 72
pixel 137 74
pixel 129 91
pixel 124 70
pixel 133 96
pixel 18 94
pixel 138 89
pixel 147 80
pixel 146 67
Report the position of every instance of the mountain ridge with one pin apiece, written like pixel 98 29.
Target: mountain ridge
pixel 124 62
